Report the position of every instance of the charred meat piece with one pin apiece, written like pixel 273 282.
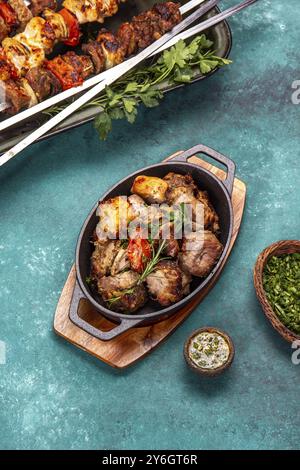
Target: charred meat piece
pixel 172 247
pixel 138 205
pixel 122 292
pixel 150 188
pixel 151 25
pixel 43 82
pixel 22 11
pixel 126 36
pixel 4 29
pixel 211 218
pixel 113 50
pixel 114 215
pixel 92 10
pixel 145 219
pixel 121 262
pixel 81 64
pixel 165 283
pixel 169 15
pixel 7 70
pixel 103 258
pixel 186 280
pixel 200 253
pixel 67 73
pixel 166 232
pixel 38 6
pixel 95 51
pixel 17 96
pixel 140 209
pixel 183 190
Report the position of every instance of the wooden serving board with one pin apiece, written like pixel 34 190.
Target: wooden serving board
pixel 135 343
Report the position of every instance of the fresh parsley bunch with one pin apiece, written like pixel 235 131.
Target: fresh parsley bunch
pixel 179 64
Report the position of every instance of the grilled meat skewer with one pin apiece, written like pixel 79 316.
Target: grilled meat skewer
pixel 15 14
pixel 71 69
pixel 29 48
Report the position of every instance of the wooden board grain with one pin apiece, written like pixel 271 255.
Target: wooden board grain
pixel 134 344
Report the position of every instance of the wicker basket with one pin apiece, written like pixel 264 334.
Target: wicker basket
pixel 279 248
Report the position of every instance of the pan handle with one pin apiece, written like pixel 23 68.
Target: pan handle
pixel 230 165
pixel 92 330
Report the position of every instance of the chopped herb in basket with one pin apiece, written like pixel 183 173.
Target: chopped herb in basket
pixel 179 64
pixel 281 282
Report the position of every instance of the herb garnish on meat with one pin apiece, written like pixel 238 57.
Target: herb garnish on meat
pixel 156 258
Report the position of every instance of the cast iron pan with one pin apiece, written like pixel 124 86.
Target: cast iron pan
pixel 220 195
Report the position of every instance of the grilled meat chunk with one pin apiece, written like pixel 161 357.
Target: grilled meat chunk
pixel 138 205
pixel 165 283
pixel 18 95
pixel 4 29
pixel 211 218
pixel 186 280
pixel 81 64
pixel 95 51
pixel 103 257
pixel 70 69
pixel 182 189
pixel 169 15
pixel 43 82
pixel 149 26
pixel 92 10
pixel 22 11
pixel 38 6
pixel 122 292
pixel 200 253
pixel 150 188
pixel 126 36
pixel 121 262
pixel 112 49
pixel 114 215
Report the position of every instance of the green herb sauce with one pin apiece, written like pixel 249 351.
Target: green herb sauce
pixel 281 282
pixel 209 350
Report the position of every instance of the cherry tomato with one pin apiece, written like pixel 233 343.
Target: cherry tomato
pixel 73 27
pixel 139 253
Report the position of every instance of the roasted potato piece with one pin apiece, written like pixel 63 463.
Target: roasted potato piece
pixel 150 188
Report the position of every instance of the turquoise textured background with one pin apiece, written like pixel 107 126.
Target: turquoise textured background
pixel 55 396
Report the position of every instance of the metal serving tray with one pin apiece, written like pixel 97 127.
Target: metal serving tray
pixel 219 34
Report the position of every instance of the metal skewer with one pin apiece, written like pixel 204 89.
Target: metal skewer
pixel 120 70
pixel 13 120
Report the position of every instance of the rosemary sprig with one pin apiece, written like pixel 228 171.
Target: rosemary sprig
pixel 156 258
pixel 179 64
